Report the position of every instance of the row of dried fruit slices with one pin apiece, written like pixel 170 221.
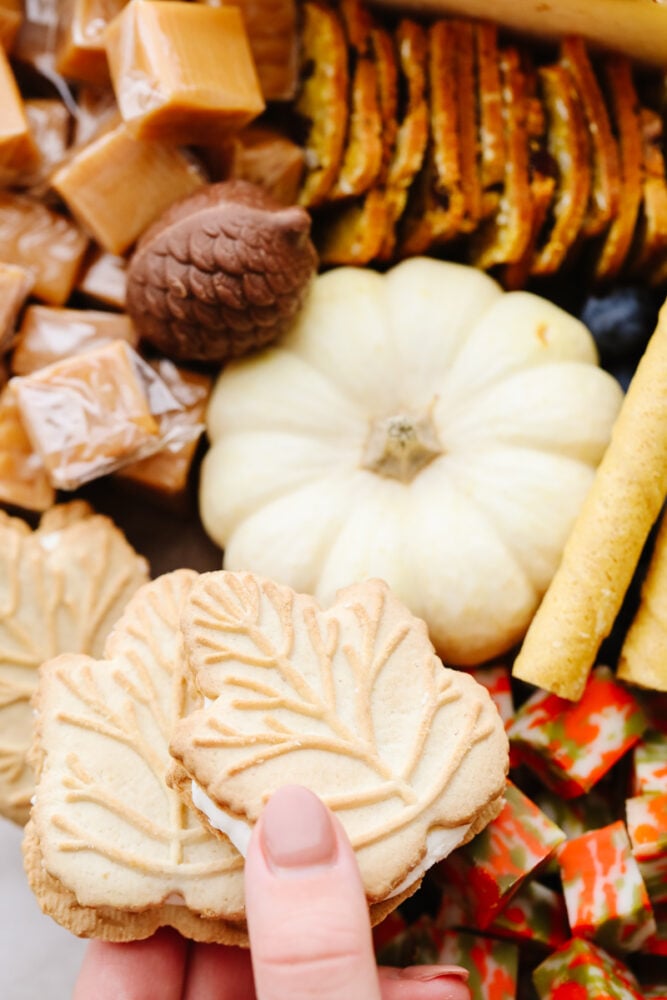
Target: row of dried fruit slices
pixel 443 135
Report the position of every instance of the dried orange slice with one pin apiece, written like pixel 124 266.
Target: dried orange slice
pixel 362 157
pixel 412 138
pixel 323 99
pixel 503 238
pixel 605 161
pixel 568 145
pixel 626 121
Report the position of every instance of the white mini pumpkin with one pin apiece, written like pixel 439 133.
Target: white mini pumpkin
pixel 422 426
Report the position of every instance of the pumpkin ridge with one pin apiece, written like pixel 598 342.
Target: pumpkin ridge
pixel 490 512
pixel 330 533
pixel 485 515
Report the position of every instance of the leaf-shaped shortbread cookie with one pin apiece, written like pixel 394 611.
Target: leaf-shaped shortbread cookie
pixel 351 701
pixel 62 588
pixel 110 850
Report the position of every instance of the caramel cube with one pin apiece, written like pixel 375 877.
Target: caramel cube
pixel 36 39
pixel 17 148
pixel 96 111
pixel 118 184
pixel 165 475
pixel 81 54
pixel 11 12
pixel 87 415
pixel 15 285
pixel 268 158
pixel 49 334
pixel 104 279
pixel 49 122
pixel 45 243
pixel 23 479
pixel 272 33
pixel 182 71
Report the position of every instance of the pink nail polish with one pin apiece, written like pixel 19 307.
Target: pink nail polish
pixel 296 831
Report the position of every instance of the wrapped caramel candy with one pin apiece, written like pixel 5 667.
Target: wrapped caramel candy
pixel 104 279
pixel 165 475
pixel 37 37
pixel 266 157
pixel 50 334
pixel 96 110
pixel 93 413
pixel 45 243
pixel 182 72
pixel 23 479
pixel 117 185
pixel 15 285
pixel 272 33
pixel 17 149
pixel 50 123
pixel 80 53
pixel 10 21
pixel 87 415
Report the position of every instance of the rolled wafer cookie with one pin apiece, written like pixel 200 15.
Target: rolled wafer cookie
pixel 643 659
pixel 603 549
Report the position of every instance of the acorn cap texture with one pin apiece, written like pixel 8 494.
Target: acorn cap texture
pixel 220 273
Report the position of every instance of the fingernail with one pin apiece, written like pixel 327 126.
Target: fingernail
pixel 296 831
pixel 425 973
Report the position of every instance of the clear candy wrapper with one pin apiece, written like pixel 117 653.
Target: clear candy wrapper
pixel 91 414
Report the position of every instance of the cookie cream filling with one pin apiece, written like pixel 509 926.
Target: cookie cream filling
pixel 440 841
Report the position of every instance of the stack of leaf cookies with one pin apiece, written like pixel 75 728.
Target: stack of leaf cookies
pixel 445 137
pixel 250 686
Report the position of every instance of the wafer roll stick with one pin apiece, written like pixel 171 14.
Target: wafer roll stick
pixel 635 27
pixel 643 659
pixel 601 554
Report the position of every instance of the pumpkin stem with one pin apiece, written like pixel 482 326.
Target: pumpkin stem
pixel 399 447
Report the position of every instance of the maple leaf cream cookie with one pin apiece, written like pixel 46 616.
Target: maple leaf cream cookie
pixel 110 850
pixel 350 701
pixel 62 588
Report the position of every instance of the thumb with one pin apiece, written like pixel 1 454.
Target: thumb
pixel 310 935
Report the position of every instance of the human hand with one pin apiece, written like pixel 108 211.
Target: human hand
pixel 310 936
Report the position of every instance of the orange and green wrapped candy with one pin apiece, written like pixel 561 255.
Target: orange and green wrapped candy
pixel 605 894
pixel 657 943
pixel 414 944
pixel 497 680
pixel 654 704
pixel 570 746
pixel 492 867
pixel 493 966
pixel 535 916
pixel 388 930
pixel 576 816
pixel 649 764
pixel 581 970
pixel 647 825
